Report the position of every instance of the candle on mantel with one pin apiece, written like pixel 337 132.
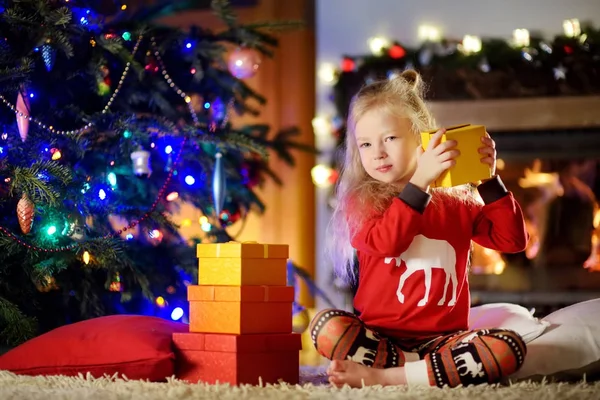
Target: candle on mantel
pixel 521 37
pixel 572 27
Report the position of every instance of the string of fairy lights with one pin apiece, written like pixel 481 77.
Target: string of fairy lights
pixel 142 154
pixel 24 113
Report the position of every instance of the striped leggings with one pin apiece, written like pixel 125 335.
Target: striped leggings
pixel 461 358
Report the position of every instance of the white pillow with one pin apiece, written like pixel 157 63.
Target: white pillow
pixel 507 316
pixel 569 350
pixel 586 313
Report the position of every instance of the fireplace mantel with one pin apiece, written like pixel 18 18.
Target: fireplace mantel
pixel 522 114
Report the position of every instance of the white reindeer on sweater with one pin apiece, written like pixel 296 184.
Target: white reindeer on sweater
pixel 426 254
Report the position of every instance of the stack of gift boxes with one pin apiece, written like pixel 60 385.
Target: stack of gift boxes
pixel 240 318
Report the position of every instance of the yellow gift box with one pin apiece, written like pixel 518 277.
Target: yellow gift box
pixel 468 168
pixel 242 250
pixel 240 264
pixel 235 271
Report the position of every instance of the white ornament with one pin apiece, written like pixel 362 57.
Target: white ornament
pixel 141 162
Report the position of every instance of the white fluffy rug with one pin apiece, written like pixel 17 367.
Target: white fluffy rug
pixel 13 387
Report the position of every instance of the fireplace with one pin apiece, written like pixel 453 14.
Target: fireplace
pixel 549 157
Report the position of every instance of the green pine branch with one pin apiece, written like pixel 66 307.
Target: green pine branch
pixel 223 10
pixel 27 180
pixel 274 26
pixel 16 327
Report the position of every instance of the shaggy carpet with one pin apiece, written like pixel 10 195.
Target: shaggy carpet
pixel 13 387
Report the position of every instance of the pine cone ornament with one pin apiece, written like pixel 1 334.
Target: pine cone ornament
pixel 25 211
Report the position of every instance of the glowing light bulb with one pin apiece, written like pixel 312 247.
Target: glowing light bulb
pixel 377 44
pixel 86 257
pixel 521 37
pixel 572 27
pixel 320 175
pixel 172 196
pixel 190 180
pixel 327 73
pixel 112 179
pixel 206 227
pixel 471 44
pixel 177 313
pixel 428 33
pixel 322 126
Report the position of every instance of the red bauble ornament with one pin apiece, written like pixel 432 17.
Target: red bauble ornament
pixel 397 51
pixel 243 63
pixel 348 64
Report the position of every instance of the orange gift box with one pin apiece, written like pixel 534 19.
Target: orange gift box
pixel 237 359
pixel 240 309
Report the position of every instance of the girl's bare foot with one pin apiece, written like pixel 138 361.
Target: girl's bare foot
pixel 356 375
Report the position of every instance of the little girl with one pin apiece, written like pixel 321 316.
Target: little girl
pixel 412 244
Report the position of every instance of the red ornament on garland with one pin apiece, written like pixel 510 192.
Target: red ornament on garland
pixel 152 66
pixel 397 51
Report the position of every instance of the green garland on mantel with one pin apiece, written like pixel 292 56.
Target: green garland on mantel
pixel 565 66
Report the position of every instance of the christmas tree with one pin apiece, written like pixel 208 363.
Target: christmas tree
pixel 108 121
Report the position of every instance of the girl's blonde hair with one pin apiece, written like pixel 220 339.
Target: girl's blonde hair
pixel 358 195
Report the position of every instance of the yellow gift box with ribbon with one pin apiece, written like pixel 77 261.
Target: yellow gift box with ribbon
pixel 468 168
pixel 239 264
pixel 242 250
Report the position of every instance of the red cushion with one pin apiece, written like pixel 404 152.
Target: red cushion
pixel 138 347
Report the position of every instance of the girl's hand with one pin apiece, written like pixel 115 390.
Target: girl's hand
pixel 435 160
pixel 489 151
